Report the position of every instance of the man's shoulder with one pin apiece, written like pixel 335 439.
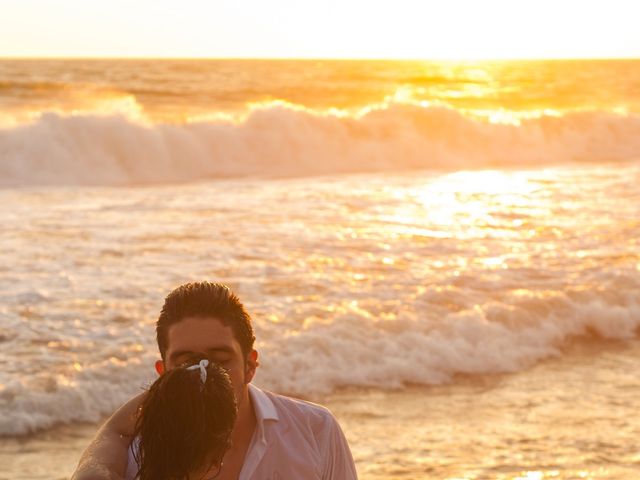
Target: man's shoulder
pixel 307 435
pixel 300 411
pixel 284 403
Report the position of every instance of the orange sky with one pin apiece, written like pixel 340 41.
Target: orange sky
pixel 421 29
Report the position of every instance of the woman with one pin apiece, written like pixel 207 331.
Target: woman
pixel 184 424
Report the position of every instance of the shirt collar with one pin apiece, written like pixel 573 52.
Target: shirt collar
pixel 262 405
pixel 264 410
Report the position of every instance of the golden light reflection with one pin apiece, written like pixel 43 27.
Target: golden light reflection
pixel 531 476
pixel 406 95
pixel 63 381
pixel 489 182
pixel 494 262
pixel 465 199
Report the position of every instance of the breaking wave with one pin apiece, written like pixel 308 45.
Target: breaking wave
pixel 285 140
pixel 357 349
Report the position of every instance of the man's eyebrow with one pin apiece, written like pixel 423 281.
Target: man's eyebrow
pixel 179 353
pixel 209 351
pixel 220 350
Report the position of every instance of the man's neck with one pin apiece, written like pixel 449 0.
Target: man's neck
pixel 240 439
pixel 245 421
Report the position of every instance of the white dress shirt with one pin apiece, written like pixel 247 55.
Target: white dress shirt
pixel 293 440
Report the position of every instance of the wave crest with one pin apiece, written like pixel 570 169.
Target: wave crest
pixel 284 140
pixel 356 349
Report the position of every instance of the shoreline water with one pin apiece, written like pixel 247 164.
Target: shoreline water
pixel 446 269
pixel 551 421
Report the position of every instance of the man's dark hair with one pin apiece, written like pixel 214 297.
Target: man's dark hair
pixel 205 299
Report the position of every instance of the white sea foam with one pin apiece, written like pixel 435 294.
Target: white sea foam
pixel 358 349
pixel 353 280
pixel 355 348
pixel 281 140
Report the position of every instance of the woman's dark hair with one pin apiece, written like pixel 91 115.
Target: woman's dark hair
pixel 183 424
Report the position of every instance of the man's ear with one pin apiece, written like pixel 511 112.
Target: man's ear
pixel 159 367
pixel 250 366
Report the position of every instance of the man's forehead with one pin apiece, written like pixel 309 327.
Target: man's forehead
pixel 201 333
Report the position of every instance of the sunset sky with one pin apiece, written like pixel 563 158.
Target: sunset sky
pixel 452 29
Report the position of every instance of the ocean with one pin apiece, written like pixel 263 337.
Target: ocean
pixel 445 254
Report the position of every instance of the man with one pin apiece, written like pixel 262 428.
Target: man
pixel 275 437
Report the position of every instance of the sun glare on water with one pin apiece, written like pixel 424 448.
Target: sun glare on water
pixel 466 199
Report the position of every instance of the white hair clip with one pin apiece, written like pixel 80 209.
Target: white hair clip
pixel 204 363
